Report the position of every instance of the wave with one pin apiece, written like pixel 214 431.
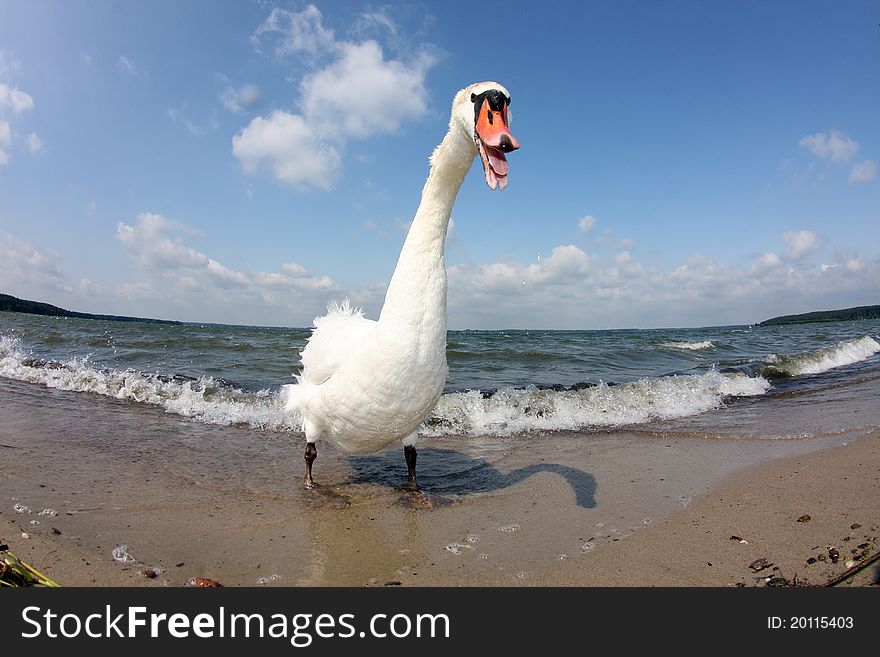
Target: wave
pixel 206 399
pixel 845 352
pixel 512 411
pixel 502 412
pixel 505 411
pixel 690 346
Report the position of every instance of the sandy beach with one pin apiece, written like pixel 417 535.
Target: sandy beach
pixel 613 509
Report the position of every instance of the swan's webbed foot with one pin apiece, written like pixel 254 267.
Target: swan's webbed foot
pixel 414 497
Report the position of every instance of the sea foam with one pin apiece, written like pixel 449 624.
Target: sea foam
pixel 203 399
pixel 518 410
pixel 845 352
pixel 690 346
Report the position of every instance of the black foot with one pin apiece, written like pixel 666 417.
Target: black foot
pixel 310 456
pixel 409 453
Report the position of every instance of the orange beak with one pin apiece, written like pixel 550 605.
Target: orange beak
pixel 494 139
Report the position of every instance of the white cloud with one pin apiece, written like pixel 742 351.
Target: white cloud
pixel 294 32
pixel 125 64
pixel 355 92
pixel 5 140
pixel 180 116
pixel 15 99
pixel 864 171
pixel 241 99
pixel 363 94
pixel 8 64
pixel 185 278
pixel 287 146
pixel 607 239
pixel 766 263
pixel 30 271
pixel 573 289
pixel 800 243
pixel 833 146
pixel 586 223
pixel 33 142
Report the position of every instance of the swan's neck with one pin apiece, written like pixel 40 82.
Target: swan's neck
pixel 416 296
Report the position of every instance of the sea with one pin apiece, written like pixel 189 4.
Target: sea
pixel 739 381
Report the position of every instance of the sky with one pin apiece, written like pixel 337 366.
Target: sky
pixel 682 163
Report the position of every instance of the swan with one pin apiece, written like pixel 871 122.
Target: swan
pixel 365 384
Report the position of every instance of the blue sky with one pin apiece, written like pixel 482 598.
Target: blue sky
pixel 682 163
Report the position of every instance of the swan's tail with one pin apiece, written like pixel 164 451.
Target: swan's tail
pixel 297 398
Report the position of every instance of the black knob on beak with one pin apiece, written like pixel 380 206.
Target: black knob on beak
pixel 505 145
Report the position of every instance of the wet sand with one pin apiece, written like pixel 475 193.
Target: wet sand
pixel 615 509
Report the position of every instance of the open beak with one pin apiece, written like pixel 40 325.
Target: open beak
pixel 493 137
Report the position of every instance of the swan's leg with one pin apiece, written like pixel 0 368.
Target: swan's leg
pixel 409 452
pixel 310 456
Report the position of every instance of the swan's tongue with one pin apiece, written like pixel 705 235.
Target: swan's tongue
pixel 498 162
pixel 494 165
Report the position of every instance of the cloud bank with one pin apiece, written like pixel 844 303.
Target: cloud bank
pixel 352 91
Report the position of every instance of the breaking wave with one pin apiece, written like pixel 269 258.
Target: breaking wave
pixel 502 412
pixel 518 410
pixel 205 399
pixel 690 346
pixel 845 352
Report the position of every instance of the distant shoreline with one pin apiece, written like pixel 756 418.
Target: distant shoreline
pixel 843 315
pixel 14 304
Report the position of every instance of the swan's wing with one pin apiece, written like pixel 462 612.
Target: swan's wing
pixel 336 336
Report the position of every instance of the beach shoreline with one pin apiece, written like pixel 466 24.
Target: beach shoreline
pixel 613 509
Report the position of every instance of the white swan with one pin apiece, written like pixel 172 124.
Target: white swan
pixel 365 383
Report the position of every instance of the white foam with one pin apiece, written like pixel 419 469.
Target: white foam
pixel 846 352
pixel 690 346
pixel 511 411
pixel 203 399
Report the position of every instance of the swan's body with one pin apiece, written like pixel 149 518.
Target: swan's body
pixel 365 383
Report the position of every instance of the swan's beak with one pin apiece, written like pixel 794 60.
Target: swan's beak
pixel 494 140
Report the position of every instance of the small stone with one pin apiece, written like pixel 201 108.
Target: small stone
pixel 205 583
pixel 822 557
pixel 777 581
pixel 850 563
pixel 56 531
pixel 811 560
pixel 179 565
pixel 741 540
pixel 804 518
pixel 760 564
pixel 150 573
pixel 833 554
pixel 25 535
pixel 393 583
pixel 855 525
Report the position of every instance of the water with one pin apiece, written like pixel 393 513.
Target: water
pixel 500 383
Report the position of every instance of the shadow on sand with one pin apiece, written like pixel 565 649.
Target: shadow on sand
pixel 448 472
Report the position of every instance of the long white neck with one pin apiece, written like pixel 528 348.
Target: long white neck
pixel 416 297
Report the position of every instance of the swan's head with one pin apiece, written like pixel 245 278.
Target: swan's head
pixel 482 111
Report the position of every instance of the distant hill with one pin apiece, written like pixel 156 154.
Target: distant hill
pixel 845 315
pixel 16 305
